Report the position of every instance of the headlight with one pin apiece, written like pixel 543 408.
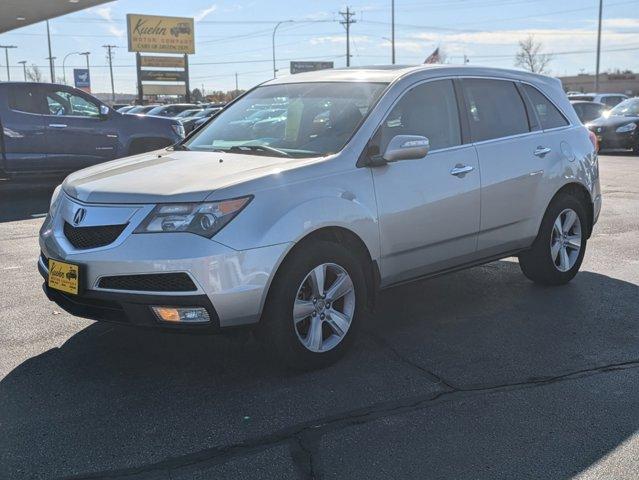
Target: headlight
pixel 205 219
pixel 178 128
pixel 629 127
pixel 55 199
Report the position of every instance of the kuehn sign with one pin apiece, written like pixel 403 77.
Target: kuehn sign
pixel 149 33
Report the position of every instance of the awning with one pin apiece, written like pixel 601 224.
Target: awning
pixel 18 13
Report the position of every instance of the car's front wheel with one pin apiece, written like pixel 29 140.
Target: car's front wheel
pixel 558 250
pixel 314 305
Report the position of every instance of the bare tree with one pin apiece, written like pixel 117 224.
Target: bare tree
pixel 530 56
pixel 34 74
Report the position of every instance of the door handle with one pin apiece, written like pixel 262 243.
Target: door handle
pixel 57 125
pixel 460 170
pixel 541 151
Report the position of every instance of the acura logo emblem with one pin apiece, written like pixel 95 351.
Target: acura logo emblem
pixel 79 215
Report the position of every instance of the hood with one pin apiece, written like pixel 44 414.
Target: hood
pixel 169 176
pixel 612 121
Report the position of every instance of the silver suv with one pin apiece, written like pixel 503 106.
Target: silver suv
pixel 348 182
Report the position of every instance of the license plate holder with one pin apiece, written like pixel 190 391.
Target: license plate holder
pixel 64 276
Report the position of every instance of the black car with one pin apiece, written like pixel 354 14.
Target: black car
pixel 192 122
pixel 619 128
pixel 141 109
pixel 54 129
pixel 588 111
pixel 171 110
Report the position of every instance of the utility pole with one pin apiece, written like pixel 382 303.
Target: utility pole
pixel 393 31
pixel 24 68
pixel 598 47
pixel 6 56
pixel 110 58
pixel 50 57
pixel 348 20
pixel 236 88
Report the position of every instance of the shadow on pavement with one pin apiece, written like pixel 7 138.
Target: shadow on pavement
pixel 25 199
pixel 479 374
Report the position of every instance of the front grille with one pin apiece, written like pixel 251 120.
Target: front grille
pixel 152 282
pixel 92 237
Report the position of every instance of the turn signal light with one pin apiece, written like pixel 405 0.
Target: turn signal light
pixel 182 314
pixel 593 140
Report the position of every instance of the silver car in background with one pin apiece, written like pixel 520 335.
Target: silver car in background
pixel 353 180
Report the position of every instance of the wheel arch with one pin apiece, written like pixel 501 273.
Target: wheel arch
pixel 343 236
pixel 580 192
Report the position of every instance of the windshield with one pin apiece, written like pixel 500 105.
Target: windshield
pixel 188 113
pixel 296 120
pixel 627 108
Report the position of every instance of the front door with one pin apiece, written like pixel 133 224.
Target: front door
pixel 428 208
pixel 77 135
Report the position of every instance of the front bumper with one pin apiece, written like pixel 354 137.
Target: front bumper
pixel 231 284
pixel 609 138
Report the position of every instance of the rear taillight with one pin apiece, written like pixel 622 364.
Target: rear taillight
pixel 593 140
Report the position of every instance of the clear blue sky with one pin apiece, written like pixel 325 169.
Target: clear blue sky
pixel 235 36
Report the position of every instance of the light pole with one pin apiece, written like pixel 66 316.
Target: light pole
pixel 598 47
pixel 393 32
pixel 24 68
pixel 51 58
pixel 275 30
pixel 64 71
pixel 86 55
pixel 6 56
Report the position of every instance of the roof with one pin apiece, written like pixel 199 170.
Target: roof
pixel 390 73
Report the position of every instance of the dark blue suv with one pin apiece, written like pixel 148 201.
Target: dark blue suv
pixel 51 129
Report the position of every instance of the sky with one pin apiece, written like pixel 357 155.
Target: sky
pixel 234 36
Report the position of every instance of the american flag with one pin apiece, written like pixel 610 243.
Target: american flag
pixel 434 57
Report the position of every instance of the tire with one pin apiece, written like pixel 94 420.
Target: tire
pixel 635 149
pixel 292 341
pixel 538 263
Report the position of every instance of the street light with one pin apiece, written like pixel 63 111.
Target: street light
pixel 6 56
pixel 275 30
pixel 24 68
pixel 64 72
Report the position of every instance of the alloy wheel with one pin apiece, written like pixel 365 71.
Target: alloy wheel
pixel 324 307
pixel 565 240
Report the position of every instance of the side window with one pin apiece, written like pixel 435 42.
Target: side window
pixel 612 101
pixel 495 109
pixel 24 99
pixel 64 103
pixel 429 110
pixel 548 115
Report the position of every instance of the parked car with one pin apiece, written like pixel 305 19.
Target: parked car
pixel 188 113
pixel 117 106
pixel 170 110
pixel 588 111
pixel 295 234
pixel 202 116
pixel 141 109
pixel 51 129
pixel 608 99
pixel 125 109
pixel 619 127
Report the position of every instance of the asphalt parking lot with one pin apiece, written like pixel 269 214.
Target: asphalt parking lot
pixel 475 375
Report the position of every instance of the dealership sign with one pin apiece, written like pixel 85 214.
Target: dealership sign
pixel 82 79
pixel 149 33
pixel 162 76
pixel 162 62
pixel 300 67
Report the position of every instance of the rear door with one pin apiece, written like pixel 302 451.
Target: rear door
pixel 23 129
pixel 513 160
pixel 77 136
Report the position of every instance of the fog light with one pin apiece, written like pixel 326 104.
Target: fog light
pixel 182 314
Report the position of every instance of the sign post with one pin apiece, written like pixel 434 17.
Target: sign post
pixel 301 67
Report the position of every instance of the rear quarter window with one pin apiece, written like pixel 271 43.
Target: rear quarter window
pixel 23 99
pixel 549 116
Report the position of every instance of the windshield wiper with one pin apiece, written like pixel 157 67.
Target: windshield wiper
pixel 258 148
pixel 180 147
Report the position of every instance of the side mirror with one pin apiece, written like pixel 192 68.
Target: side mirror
pixel 406 147
pixel 104 111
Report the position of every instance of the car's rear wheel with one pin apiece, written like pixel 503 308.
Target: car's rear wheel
pixel 314 305
pixel 558 250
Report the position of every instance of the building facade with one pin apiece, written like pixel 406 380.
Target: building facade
pixel 627 83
